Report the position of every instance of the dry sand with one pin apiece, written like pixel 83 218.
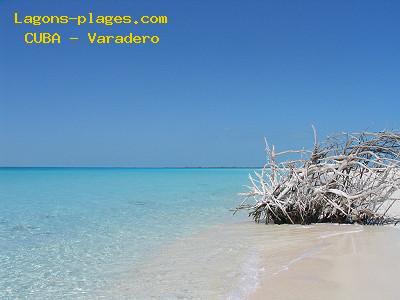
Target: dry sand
pixel 256 261
pixel 352 264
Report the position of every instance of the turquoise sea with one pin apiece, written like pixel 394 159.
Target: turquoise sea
pixel 81 232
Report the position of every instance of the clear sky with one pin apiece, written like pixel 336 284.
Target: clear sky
pixel 224 75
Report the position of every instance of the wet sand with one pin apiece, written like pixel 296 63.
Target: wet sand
pixel 349 265
pixel 353 264
pixel 254 261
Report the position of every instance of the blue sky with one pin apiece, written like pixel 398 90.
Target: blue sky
pixel 225 74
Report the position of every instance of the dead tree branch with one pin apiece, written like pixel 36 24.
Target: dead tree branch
pixel 347 179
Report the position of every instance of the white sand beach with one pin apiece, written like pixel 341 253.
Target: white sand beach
pixel 353 264
pixel 362 262
pixel 255 261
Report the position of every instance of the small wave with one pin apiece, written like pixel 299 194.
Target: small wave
pixel 297 259
pixel 324 236
pixel 250 272
pixel 304 227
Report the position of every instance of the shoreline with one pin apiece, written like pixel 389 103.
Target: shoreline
pixel 352 265
pixel 245 260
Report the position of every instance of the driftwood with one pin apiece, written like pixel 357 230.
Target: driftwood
pixel 350 178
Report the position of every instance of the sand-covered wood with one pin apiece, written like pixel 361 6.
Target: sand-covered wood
pixel 349 178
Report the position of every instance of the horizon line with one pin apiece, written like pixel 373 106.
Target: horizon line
pixel 130 167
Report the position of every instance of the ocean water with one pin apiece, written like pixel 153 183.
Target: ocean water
pixel 142 234
pixel 88 233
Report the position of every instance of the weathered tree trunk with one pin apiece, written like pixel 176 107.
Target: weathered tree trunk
pixel 350 178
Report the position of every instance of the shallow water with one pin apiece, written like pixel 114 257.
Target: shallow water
pixel 228 261
pixel 150 234
pixel 74 232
